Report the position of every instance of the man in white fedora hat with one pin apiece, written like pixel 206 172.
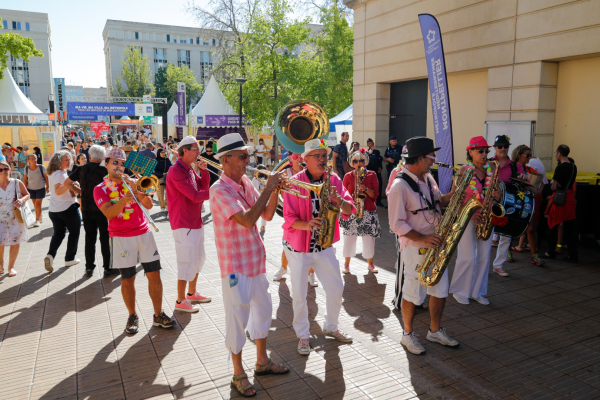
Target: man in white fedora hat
pixel 236 206
pixel 302 251
pixel 186 192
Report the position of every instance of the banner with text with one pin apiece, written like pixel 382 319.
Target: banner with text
pixel 180 119
pixel 61 96
pixel 96 109
pixel 440 100
pixel 224 120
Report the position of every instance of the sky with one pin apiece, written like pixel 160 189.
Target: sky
pixel 76 30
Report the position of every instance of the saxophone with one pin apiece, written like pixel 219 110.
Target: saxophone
pixel 329 212
pixel 450 229
pixel 358 196
pixel 490 209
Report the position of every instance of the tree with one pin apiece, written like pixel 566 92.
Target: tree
pixel 166 83
pixel 135 74
pixel 18 46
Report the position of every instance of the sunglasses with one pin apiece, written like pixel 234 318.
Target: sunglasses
pixel 502 146
pixel 528 155
pixel 483 151
pixel 318 156
pixel 242 157
pixel 4 169
pixel 357 161
pixel 117 162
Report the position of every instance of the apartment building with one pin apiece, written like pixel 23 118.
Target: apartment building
pixel 80 93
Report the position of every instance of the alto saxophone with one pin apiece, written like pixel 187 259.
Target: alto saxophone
pixel 490 209
pixel 358 196
pixel 329 212
pixel 450 229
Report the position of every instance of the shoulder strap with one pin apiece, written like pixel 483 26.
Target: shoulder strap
pixel 513 168
pixel 413 185
pixel 570 184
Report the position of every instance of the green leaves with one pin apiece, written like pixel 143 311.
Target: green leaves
pixel 136 75
pixel 18 46
pixel 166 83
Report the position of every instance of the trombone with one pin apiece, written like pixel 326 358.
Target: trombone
pixel 257 172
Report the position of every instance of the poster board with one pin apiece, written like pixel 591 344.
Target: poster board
pixel 519 132
pixel 48 145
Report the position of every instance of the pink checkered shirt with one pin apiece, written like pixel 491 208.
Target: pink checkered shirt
pixel 239 249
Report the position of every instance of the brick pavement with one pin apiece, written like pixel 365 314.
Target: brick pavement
pixel 62 334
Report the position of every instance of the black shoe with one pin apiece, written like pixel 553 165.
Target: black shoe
pixel 132 324
pixel 162 320
pixel 110 272
pixel 380 204
pixel 89 272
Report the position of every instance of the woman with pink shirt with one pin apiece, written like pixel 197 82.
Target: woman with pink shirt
pixel 470 278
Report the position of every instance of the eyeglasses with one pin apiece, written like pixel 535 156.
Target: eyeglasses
pixel 117 162
pixel 528 155
pixel 483 151
pixel 318 156
pixel 4 169
pixel 357 161
pixel 502 146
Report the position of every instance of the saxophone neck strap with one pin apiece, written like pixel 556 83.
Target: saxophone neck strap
pixel 415 187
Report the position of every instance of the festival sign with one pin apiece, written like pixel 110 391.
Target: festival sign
pixel 95 109
pixel 180 118
pixel 59 91
pixel 144 110
pixel 440 99
pixel 78 117
pixel 47 145
pixel 224 120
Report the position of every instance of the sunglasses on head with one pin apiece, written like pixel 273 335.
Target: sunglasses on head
pixel 502 146
pixel 357 161
pixel 117 162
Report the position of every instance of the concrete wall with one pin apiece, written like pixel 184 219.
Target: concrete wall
pixel 577 109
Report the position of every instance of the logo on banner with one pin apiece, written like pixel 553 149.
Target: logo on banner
pixel 431 36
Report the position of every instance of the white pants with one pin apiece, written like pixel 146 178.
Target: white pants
pixel 470 278
pixel 263 222
pixel 327 268
pixel 189 248
pixel 412 289
pixel 255 315
pixel 350 246
pixel 502 251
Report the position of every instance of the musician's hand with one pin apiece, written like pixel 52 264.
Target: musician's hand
pixel 522 176
pixel 335 197
pixel 315 223
pixel 476 218
pixel 431 240
pixel 202 164
pixel 496 194
pixel 363 188
pixel 274 181
pixel 128 197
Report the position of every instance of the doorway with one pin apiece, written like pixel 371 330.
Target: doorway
pixel 408 109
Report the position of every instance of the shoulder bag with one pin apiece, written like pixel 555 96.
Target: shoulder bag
pixel 560 195
pixel 23 214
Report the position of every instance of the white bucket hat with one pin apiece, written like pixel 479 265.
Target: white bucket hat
pixel 315 144
pixel 230 142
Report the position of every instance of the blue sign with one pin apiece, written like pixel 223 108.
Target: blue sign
pixel 97 109
pixel 200 120
pixel 79 117
pixel 61 96
pixel 440 100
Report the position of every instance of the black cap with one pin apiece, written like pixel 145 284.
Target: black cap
pixel 392 137
pixel 419 145
pixel 501 140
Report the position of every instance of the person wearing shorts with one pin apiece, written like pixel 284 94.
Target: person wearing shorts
pixel 36 182
pixel 131 241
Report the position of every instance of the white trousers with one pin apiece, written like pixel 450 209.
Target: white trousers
pixel 263 222
pixel 502 252
pixel 350 246
pixel 327 269
pixel 254 315
pixel 470 278
pixel 189 248
pixel 412 289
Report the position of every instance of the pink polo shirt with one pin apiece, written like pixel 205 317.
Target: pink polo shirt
pixel 506 171
pixel 402 200
pixel 186 191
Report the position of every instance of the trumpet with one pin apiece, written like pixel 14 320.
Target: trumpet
pixel 257 172
pixel 144 210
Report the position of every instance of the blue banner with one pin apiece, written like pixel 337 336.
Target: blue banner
pixel 97 109
pixel 79 117
pixel 440 99
pixel 61 95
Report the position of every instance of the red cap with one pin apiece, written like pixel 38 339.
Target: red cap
pixel 477 141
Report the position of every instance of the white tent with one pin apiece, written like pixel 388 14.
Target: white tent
pixel 212 103
pixel 12 100
pixel 172 113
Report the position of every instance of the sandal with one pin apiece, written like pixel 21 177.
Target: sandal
pixel 515 249
pixel 2 271
pixel 13 272
pixel 261 370
pixel 236 383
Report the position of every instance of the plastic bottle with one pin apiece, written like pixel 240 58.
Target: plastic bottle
pixel 233 281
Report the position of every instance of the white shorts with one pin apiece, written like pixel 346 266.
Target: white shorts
pixel 413 290
pixel 127 252
pixel 189 248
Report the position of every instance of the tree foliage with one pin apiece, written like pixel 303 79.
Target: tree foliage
pixel 166 84
pixel 136 75
pixel 18 46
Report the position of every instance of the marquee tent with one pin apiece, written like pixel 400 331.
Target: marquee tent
pixel 340 123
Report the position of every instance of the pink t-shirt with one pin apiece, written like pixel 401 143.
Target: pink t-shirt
pixel 131 221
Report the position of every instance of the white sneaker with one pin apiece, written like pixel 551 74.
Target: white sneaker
pixel 442 337
pixel 279 275
pixel 303 347
pixel 71 263
pixel 338 335
pixel 36 224
pixel 312 281
pixel 460 298
pixel 48 261
pixel 412 343
pixel 482 300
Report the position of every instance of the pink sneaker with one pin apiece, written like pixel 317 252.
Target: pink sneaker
pixel 198 297
pixel 186 306
pixel 346 269
pixel 372 268
pixel 500 272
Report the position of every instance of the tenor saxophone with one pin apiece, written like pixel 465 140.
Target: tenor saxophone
pixel 358 196
pixel 490 209
pixel 450 229
pixel 329 212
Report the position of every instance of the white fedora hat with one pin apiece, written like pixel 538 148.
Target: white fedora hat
pixel 316 144
pixel 230 142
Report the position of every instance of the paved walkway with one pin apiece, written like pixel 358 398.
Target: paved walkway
pixel 62 334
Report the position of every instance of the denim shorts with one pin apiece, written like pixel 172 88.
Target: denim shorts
pixel 37 194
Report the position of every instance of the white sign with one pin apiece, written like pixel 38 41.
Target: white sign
pixel 180 86
pixel 144 110
pixel 146 98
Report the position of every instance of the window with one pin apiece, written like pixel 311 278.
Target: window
pixel 137 36
pixel 168 38
pixel 5 24
pixel 183 41
pixel 206 44
pixel 197 40
pixel 183 58
pixel 20 73
pixel 16 26
pixel 206 64
pixel 27 26
pixel 160 59
pixel 214 42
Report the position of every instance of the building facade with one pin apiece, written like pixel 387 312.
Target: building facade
pixel 80 93
pixel 162 44
pixel 34 78
pixel 506 60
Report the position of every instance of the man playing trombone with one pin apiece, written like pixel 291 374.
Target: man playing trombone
pixel 130 238
pixel 236 206
pixel 186 191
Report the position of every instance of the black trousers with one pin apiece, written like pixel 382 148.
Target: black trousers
pixel 381 188
pixel 570 236
pixel 94 222
pixel 61 222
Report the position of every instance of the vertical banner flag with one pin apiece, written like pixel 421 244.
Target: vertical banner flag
pixel 440 100
pixel 61 96
pixel 180 104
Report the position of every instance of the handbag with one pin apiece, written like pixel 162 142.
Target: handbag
pixel 560 195
pixel 23 214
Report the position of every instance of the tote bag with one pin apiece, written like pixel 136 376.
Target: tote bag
pixel 23 214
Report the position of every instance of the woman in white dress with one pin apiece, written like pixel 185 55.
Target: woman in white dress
pixel 12 232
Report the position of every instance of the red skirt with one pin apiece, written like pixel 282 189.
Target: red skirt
pixel 557 214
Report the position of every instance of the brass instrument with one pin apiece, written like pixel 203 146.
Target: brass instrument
pixel 298 122
pixel 147 185
pixel 144 209
pixel 490 209
pixel 358 196
pixel 329 212
pixel 451 228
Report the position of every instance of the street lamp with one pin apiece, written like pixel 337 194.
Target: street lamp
pixel 241 82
